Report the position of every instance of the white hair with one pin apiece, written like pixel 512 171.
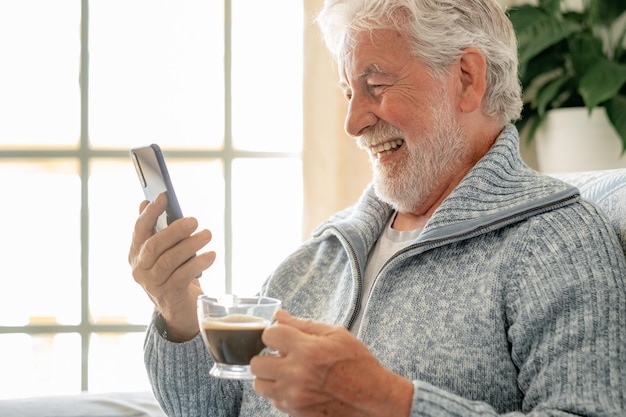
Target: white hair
pixel 439 30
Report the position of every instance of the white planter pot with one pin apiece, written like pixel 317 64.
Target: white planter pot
pixel 570 139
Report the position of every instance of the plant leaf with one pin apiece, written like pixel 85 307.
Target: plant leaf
pixel 616 112
pixel 547 62
pixel 606 12
pixel 536 30
pixel 550 6
pixel 585 51
pixel 548 93
pixel 601 82
pixel 533 123
pixel 524 118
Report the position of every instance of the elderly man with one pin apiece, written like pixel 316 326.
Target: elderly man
pixel 462 283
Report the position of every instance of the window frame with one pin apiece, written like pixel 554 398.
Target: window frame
pixel 84 154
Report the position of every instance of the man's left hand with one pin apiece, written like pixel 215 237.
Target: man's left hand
pixel 324 370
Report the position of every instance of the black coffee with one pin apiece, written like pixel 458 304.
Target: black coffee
pixel 235 339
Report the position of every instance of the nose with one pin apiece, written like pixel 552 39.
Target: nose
pixel 360 116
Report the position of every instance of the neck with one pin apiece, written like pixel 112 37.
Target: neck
pixel 409 221
pixel 418 218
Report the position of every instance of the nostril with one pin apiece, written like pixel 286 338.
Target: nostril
pixel 357 124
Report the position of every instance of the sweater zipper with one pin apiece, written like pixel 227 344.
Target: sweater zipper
pixel 437 242
pixel 359 277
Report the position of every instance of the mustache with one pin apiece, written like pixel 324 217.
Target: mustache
pixel 380 133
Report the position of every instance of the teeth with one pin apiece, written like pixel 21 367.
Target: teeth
pixel 387 146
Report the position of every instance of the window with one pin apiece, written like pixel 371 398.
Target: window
pixel 217 85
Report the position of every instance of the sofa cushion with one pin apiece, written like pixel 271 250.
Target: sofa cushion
pixel 607 189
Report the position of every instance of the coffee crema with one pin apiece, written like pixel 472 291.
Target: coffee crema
pixel 234 339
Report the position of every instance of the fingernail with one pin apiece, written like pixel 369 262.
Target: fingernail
pixel 282 313
pixel 189 223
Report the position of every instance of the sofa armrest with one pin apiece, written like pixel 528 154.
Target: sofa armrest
pixel 605 188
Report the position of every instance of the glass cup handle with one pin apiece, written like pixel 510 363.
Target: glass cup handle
pixel 268 351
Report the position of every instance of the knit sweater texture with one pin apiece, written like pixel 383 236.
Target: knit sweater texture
pixel 512 300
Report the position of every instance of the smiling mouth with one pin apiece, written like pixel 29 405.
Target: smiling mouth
pixel 386 148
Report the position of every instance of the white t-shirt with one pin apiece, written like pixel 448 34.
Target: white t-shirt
pixel 388 243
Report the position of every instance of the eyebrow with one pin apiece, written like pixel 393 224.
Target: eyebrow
pixel 371 69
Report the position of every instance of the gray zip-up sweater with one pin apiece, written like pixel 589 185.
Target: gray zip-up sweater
pixel 512 300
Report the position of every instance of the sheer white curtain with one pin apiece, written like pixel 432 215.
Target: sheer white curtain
pixel 335 170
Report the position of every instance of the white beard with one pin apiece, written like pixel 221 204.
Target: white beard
pixel 408 183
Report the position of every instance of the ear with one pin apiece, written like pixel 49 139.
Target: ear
pixel 473 79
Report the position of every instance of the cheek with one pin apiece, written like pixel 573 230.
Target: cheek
pixel 410 116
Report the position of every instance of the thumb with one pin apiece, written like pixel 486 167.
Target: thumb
pixel 305 325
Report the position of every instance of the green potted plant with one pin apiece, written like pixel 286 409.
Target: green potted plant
pixel 572 58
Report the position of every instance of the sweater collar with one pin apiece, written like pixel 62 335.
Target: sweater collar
pixel 500 189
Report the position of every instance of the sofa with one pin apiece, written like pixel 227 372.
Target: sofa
pixel 605 188
pixel 123 404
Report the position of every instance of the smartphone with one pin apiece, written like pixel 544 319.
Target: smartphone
pixel 154 178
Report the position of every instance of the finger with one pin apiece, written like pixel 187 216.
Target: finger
pixel 190 270
pixel 282 338
pixel 266 388
pixel 144 226
pixel 273 376
pixel 288 339
pixel 265 367
pixel 149 214
pixel 287 385
pixel 177 238
pixel 143 206
pixel 157 254
pixel 304 325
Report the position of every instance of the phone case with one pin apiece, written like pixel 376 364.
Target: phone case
pixel 154 178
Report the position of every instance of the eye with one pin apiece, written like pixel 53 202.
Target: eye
pixel 347 93
pixel 376 89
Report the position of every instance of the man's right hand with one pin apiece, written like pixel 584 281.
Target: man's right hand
pixel 165 266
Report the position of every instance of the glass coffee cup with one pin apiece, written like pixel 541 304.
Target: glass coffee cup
pixel 231 328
